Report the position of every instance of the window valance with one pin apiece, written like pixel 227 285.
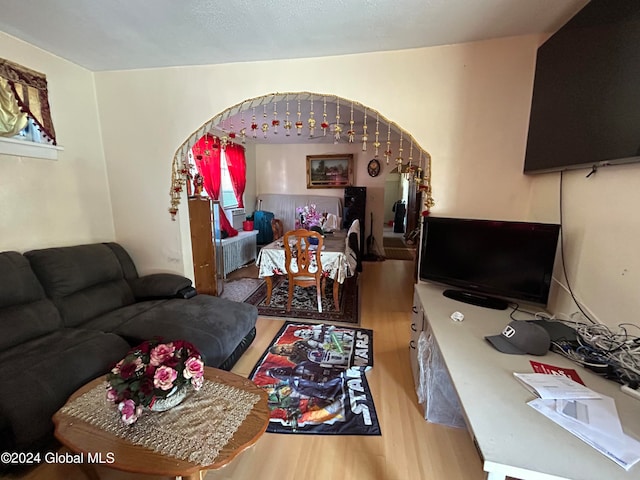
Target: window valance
pixel 30 90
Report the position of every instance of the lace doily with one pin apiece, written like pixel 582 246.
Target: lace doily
pixel 194 431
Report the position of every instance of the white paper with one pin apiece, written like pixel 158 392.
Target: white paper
pixel 621 448
pixel 599 415
pixel 555 386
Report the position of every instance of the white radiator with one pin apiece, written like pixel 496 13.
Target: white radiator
pixel 239 250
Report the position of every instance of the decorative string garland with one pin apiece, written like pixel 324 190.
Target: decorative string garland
pixel 364 131
pixel 338 128
pixel 180 172
pixel 287 122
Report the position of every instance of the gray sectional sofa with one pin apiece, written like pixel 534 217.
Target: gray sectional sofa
pixel 68 314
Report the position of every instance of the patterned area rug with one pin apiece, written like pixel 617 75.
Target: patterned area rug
pixel 314 375
pixel 304 304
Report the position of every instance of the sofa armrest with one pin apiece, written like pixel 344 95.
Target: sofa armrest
pixel 161 285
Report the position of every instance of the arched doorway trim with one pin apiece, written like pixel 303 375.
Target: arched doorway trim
pixel 375 132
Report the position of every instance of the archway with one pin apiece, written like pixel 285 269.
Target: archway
pixel 298 117
pixel 301 117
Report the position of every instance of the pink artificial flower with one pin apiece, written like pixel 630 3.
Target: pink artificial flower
pixel 193 368
pixel 130 412
pixel 112 394
pixel 196 382
pixel 161 353
pixel 116 370
pixel 164 378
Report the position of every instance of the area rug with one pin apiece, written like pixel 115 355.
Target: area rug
pixel 395 248
pixel 399 253
pixel 393 242
pixel 304 305
pixel 314 375
pixel 239 290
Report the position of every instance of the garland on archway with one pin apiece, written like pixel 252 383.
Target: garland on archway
pixel 222 126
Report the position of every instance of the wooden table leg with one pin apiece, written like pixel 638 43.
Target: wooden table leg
pixel 269 287
pixel 336 285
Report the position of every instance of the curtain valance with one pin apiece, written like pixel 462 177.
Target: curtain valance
pixel 30 90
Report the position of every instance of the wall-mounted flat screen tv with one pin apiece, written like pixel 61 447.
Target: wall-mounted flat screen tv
pixel 585 109
pixel 489 262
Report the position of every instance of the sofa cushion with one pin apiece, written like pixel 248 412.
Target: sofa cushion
pixel 158 285
pixel 110 321
pixel 83 281
pixel 214 325
pixel 39 376
pixel 25 312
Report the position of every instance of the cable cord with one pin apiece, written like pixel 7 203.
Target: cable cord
pixel 564 263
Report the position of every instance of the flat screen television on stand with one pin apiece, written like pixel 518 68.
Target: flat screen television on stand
pixel 490 262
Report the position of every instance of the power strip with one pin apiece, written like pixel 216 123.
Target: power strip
pixel 631 391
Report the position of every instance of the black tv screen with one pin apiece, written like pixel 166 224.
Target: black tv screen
pixel 585 109
pixel 490 258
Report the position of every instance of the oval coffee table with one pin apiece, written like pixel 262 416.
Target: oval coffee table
pixel 82 437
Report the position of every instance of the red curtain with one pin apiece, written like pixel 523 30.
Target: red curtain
pixel 237 165
pixel 206 153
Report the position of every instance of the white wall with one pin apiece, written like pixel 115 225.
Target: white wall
pixel 53 203
pixel 601 228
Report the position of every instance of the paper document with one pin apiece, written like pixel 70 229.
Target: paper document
pixel 555 386
pixel 595 422
pixel 600 415
pixel 539 367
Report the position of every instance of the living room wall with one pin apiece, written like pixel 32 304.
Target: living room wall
pixel 601 228
pixel 53 203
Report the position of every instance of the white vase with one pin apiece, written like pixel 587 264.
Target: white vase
pixel 175 397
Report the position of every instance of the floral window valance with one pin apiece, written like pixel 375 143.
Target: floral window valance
pixel 29 89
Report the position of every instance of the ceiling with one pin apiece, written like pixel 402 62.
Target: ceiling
pixel 113 35
pixel 124 35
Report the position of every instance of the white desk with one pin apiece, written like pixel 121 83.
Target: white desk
pixel 513 438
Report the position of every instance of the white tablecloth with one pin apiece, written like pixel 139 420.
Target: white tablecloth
pixel 337 259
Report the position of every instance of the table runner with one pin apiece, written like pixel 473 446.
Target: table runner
pixel 194 431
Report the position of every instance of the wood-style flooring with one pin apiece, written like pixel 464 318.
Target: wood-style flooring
pixel 409 448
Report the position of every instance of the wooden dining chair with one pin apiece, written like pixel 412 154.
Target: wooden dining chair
pixel 277 227
pixel 306 271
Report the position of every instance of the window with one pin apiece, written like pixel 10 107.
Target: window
pixel 227 197
pixel 26 128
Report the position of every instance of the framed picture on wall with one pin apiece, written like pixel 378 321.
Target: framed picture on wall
pixel 329 171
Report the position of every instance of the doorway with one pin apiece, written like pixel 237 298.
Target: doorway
pixel 400 206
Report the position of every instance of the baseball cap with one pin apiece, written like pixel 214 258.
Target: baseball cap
pixel 520 337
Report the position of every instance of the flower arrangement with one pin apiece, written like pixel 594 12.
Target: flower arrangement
pixel 308 216
pixel 152 371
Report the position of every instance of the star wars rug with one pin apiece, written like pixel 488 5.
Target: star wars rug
pixel 314 375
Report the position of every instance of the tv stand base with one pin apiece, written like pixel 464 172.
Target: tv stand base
pixel 476 299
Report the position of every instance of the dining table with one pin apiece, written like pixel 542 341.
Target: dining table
pixel 337 259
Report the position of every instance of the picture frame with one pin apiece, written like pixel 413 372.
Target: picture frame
pixel 330 171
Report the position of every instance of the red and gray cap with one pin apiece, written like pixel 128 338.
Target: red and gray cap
pixel 520 337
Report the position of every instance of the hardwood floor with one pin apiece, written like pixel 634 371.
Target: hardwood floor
pixel 409 447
